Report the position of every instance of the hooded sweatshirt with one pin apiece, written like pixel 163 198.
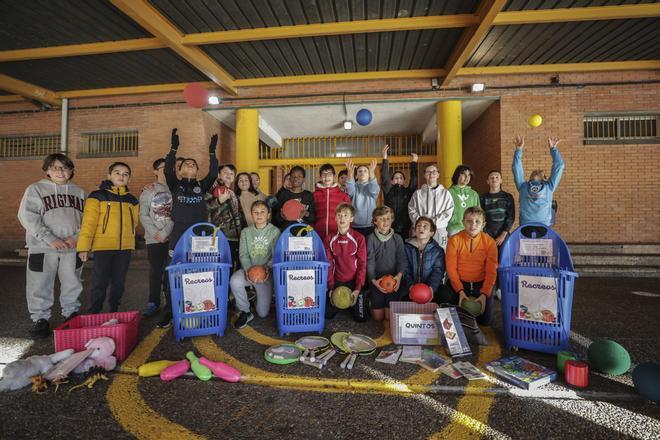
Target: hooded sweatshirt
pixel 364 200
pixel 326 200
pixel 397 197
pixel 535 196
pixel 156 212
pixel 49 211
pixel 464 198
pixel 472 259
pixel 435 203
pixel 385 255
pixel 109 220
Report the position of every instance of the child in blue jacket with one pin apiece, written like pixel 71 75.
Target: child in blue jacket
pixel 426 259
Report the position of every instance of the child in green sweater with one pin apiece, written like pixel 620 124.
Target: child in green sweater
pixel 256 248
pixel 464 197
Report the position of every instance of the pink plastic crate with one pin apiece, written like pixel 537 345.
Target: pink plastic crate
pixel 76 332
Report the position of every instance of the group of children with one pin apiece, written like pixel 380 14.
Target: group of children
pixel 430 235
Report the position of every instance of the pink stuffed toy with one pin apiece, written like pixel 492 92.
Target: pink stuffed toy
pixel 101 357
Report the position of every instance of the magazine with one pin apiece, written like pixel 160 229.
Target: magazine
pixel 469 371
pixel 411 354
pixel 432 360
pixel 521 372
pixel 450 371
pixel 389 355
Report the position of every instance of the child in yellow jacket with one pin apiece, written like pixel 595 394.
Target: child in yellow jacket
pixel 471 261
pixel 109 220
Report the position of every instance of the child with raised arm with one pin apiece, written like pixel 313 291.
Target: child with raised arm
pixel 363 190
pixel 396 195
pixel 188 205
pixel 426 259
pixel 432 200
pixel 156 219
pixel 472 264
pixel 347 255
pixel 327 197
pixel 535 195
pixel 385 256
pixel 51 211
pixel 256 249
pixel 463 196
pixel 108 229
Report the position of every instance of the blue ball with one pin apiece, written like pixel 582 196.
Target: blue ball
pixel 364 117
pixel 646 378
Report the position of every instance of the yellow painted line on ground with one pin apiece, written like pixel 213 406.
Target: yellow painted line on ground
pixel 130 410
pixel 256 376
pixel 473 410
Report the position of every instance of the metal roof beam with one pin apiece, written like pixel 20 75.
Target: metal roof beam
pixel 29 91
pixel 336 28
pixel 488 10
pixel 337 77
pixel 594 13
pixel 143 13
pixel 130 90
pixel 72 50
pixel 602 66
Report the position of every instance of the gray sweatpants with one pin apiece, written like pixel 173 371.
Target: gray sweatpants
pixel 238 283
pixel 42 268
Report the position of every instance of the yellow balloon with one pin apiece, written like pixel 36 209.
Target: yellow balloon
pixel 535 120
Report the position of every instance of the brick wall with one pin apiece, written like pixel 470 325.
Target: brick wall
pixel 607 194
pixel 481 146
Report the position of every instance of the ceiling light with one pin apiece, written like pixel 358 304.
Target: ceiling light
pixel 477 87
pixel 348 125
pixel 214 100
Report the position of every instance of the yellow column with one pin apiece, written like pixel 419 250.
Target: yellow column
pixel 450 138
pixel 264 180
pixel 247 140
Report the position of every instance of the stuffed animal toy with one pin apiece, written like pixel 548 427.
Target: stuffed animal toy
pixel 17 374
pixel 101 356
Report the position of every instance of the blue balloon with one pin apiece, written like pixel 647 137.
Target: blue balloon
pixel 364 117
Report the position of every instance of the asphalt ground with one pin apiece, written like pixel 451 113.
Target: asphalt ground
pixel 300 402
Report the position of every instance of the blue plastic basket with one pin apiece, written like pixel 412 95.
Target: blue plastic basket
pixel 532 335
pixel 184 261
pixel 300 320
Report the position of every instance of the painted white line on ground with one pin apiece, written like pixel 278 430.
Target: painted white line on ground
pixel 649 294
pixel 450 413
pixel 12 349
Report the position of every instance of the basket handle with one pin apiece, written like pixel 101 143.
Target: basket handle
pixel 534 231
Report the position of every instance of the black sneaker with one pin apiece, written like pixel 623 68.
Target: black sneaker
pixel 165 321
pixel 243 319
pixel 71 316
pixel 40 329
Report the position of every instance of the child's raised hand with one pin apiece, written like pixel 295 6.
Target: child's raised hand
pixel 553 142
pixel 386 148
pixel 415 157
pixel 519 141
pixel 175 139
pixel 350 167
pixel 372 169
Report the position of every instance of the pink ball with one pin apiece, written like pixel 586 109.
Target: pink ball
pixel 196 95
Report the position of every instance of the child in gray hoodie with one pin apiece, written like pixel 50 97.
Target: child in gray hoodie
pixel 50 212
pixel 362 187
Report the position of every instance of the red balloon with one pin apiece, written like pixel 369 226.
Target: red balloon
pixel 421 293
pixel 196 95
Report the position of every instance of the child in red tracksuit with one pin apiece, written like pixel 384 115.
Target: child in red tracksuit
pixel 347 255
pixel 327 197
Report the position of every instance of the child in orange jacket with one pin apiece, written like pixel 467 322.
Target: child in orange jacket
pixel 472 264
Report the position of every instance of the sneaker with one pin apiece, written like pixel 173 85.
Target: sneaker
pixel 150 311
pixel 498 294
pixel 243 319
pixel 40 329
pixel 165 321
pixel 71 316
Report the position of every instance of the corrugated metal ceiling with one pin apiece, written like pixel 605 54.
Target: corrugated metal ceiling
pixel 205 15
pixel 108 70
pixel 43 23
pixel 520 5
pixel 573 42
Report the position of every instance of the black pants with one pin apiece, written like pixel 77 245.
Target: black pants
pixel 234 247
pixel 359 310
pixel 109 267
pixel 158 279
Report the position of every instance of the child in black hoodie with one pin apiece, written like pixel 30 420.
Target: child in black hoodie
pixel 188 205
pixel 397 196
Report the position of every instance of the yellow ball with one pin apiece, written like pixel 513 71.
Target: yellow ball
pixel 535 120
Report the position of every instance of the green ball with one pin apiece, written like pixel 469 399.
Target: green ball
pixel 646 378
pixel 472 307
pixel 609 357
pixel 342 297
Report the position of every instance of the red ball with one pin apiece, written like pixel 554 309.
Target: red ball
pixel 387 283
pixel 218 190
pixel 421 293
pixel 257 274
pixel 196 95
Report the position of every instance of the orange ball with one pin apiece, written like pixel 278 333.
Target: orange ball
pixel 387 283
pixel 257 274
